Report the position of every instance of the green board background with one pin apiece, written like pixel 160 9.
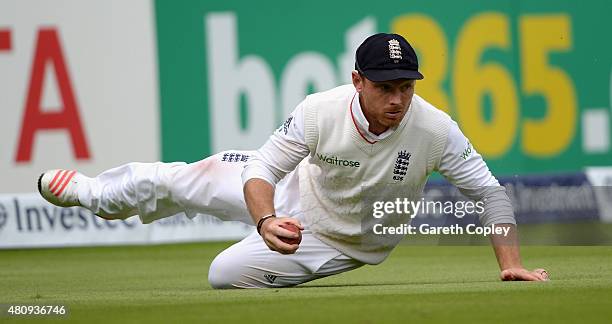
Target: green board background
pixel 320 26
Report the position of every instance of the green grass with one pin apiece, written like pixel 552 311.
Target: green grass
pixel 167 284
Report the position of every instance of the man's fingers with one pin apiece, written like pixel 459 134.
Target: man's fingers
pixel 529 276
pixel 272 232
pixel 290 220
pixel 543 273
pixel 507 275
pixel 517 275
pixel 535 275
pixel 277 245
pixel 279 231
pixel 524 275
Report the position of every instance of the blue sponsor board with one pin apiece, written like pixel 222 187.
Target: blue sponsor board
pixel 535 199
pixel 558 198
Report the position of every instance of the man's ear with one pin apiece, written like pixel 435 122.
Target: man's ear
pixel 357 81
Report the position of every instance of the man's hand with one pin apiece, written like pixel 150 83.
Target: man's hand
pixel 259 197
pixel 520 274
pixel 271 230
pixel 507 253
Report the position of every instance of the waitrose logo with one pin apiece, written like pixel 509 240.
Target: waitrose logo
pixel 339 162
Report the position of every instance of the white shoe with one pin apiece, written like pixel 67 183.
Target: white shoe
pixel 59 187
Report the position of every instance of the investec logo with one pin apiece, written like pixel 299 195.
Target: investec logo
pixel 234 75
pixel 336 161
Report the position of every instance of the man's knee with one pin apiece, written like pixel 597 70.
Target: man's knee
pixel 224 273
pixel 233 269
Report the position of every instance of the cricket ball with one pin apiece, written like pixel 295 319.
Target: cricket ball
pixel 294 229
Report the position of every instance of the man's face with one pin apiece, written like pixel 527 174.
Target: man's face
pixel 384 104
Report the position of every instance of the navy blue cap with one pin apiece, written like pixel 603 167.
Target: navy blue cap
pixel 385 57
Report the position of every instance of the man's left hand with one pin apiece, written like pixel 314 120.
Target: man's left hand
pixel 521 274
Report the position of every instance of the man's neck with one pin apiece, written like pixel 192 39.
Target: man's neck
pixel 376 130
pixel 372 125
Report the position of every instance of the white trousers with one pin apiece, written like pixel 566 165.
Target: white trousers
pixel 213 186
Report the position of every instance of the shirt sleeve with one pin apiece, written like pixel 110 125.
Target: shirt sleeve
pixel 465 168
pixel 281 154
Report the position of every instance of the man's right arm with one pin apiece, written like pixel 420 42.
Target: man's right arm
pixel 281 154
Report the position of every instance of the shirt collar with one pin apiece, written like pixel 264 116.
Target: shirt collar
pixel 363 124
